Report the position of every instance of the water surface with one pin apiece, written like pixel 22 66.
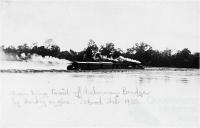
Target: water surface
pixel 170 98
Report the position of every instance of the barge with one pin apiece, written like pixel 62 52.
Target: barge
pixel 114 64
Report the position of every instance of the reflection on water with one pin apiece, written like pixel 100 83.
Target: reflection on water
pixel 171 98
pixel 184 80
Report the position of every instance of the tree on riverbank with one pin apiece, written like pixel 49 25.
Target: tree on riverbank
pixel 140 51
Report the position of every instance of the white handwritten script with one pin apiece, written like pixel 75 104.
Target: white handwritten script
pixel 59 97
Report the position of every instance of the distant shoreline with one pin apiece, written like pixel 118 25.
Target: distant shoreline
pixel 139 51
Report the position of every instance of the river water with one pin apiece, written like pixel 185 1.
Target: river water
pixel 154 97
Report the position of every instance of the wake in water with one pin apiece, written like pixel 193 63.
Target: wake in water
pixel 35 62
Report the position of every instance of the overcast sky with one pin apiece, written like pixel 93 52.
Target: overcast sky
pixel 160 23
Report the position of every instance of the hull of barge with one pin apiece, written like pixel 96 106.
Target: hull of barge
pixel 102 65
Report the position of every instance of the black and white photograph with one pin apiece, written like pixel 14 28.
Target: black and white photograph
pixel 99 63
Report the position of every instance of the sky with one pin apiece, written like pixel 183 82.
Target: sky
pixel 172 24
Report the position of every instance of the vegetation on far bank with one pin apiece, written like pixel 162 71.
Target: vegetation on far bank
pixel 140 51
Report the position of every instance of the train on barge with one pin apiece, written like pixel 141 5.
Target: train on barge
pixel 120 63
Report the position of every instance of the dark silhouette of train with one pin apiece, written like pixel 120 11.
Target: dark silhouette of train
pixel 121 63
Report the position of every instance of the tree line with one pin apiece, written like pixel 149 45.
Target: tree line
pixel 139 51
